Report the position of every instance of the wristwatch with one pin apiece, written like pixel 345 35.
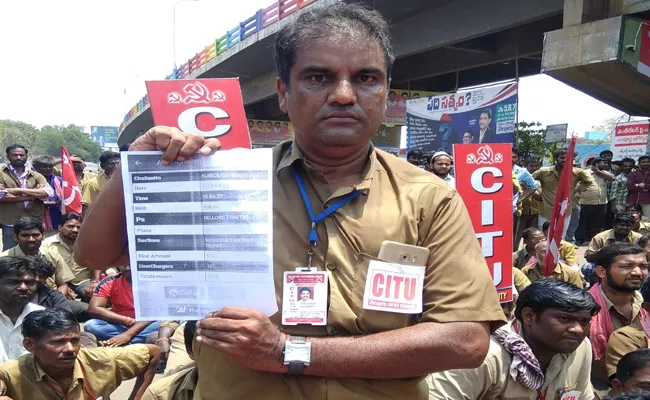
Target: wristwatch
pixel 297 354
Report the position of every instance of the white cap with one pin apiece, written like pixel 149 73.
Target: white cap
pixel 440 153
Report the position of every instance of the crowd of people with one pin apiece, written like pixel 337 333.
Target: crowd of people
pixel 68 327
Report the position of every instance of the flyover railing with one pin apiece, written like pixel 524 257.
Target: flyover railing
pixel 262 19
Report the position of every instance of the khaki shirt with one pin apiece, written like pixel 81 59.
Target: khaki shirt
pixel 56 243
pixel 179 386
pixel 607 238
pixel 644 228
pixel 567 253
pixel 92 187
pixel 400 202
pixel 492 380
pixel 520 279
pixel 549 178
pixel 13 211
pixel 530 206
pixel 98 371
pixel 594 193
pixel 562 272
pixel 62 273
pixel 623 341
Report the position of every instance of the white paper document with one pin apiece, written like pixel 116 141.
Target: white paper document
pixel 200 233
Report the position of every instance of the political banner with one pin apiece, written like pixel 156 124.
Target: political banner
pixel 396 104
pixel 104 136
pixel 630 139
pixel 486 115
pixel 265 133
pixel 211 107
pixel 644 49
pixel 484 181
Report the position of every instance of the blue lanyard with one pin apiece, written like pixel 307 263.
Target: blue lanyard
pixel 316 219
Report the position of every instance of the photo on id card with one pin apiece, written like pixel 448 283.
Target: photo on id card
pixel 304 298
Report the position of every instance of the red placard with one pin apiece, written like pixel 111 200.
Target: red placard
pixel 484 181
pixel 644 49
pixel 211 107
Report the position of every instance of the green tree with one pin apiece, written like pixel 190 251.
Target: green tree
pixel 529 140
pixel 73 138
pixel 16 132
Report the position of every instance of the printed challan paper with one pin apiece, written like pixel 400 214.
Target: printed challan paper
pixel 200 233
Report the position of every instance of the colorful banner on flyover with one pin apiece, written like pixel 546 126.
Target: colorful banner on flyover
pixel 485 115
pixel 630 140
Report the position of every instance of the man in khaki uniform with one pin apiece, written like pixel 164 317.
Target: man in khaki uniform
pixel 60 368
pixel 334 72
pixel 85 280
pixel 108 162
pixel 593 201
pixel 22 192
pixel 547 340
pixel 562 272
pixel 620 232
pixel 549 178
pixel 29 235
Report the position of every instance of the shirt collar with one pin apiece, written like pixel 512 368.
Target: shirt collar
pixel 637 299
pixel 291 153
pixel 13 171
pixel 611 236
pixel 77 374
pixel 58 239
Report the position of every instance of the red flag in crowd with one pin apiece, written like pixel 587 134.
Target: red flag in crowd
pixel 560 208
pixel 71 201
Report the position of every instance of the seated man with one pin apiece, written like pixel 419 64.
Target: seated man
pixel 85 280
pixel 621 232
pixel 562 272
pixel 28 232
pixel 50 298
pixel 182 384
pixel 567 251
pixel 521 258
pixel 17 288
pixel 58 367
pixel 640 226
pixel 633 372
pixel 117 326
pixel 629 338
pixel 545 347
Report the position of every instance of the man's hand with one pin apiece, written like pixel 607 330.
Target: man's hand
pixel 176 145
pixel 119 340
pixel 165 347
pixel 91 288
pixel 247 336
pixel 71 294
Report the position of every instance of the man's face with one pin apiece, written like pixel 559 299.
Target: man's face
pixel 534 239
pixel 560 160
pixel 607 157
pixel 251 124
pixel 392 96
pixel 533 166
pixel 622 228
pixel 337 95
pixel 467 138
pixel 17 289
pixel 70 229
pixel 626 167
pixel 78 164
pixel 260 125
pixel 17 157
pixel 269 125
pixel 636 215
pixel 484 121
pixel 405 97
pixel 640 381
pixel 44 169
pixel 540 251
pixel 645 163
pixel 29 240
pixel 627 273
pixel 600 165
pixel 56 349
pixel 304 295
pixel 277 125
pixel 415 160
pixel 560 331
pixel 110 166
pixel 442 165
pixel 515 158
pixel 646 249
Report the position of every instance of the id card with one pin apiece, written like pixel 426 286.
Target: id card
pixel 394 288
pixel 304 298
pixel 575 395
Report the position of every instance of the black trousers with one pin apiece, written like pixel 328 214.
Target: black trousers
pixel 592 218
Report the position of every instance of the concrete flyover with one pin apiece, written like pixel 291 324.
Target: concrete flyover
pixel 440 45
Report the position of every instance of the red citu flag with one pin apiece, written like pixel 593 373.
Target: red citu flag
pixel 560 208
pixel 71 201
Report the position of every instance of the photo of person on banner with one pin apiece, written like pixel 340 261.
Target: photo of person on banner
pixel 486 135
